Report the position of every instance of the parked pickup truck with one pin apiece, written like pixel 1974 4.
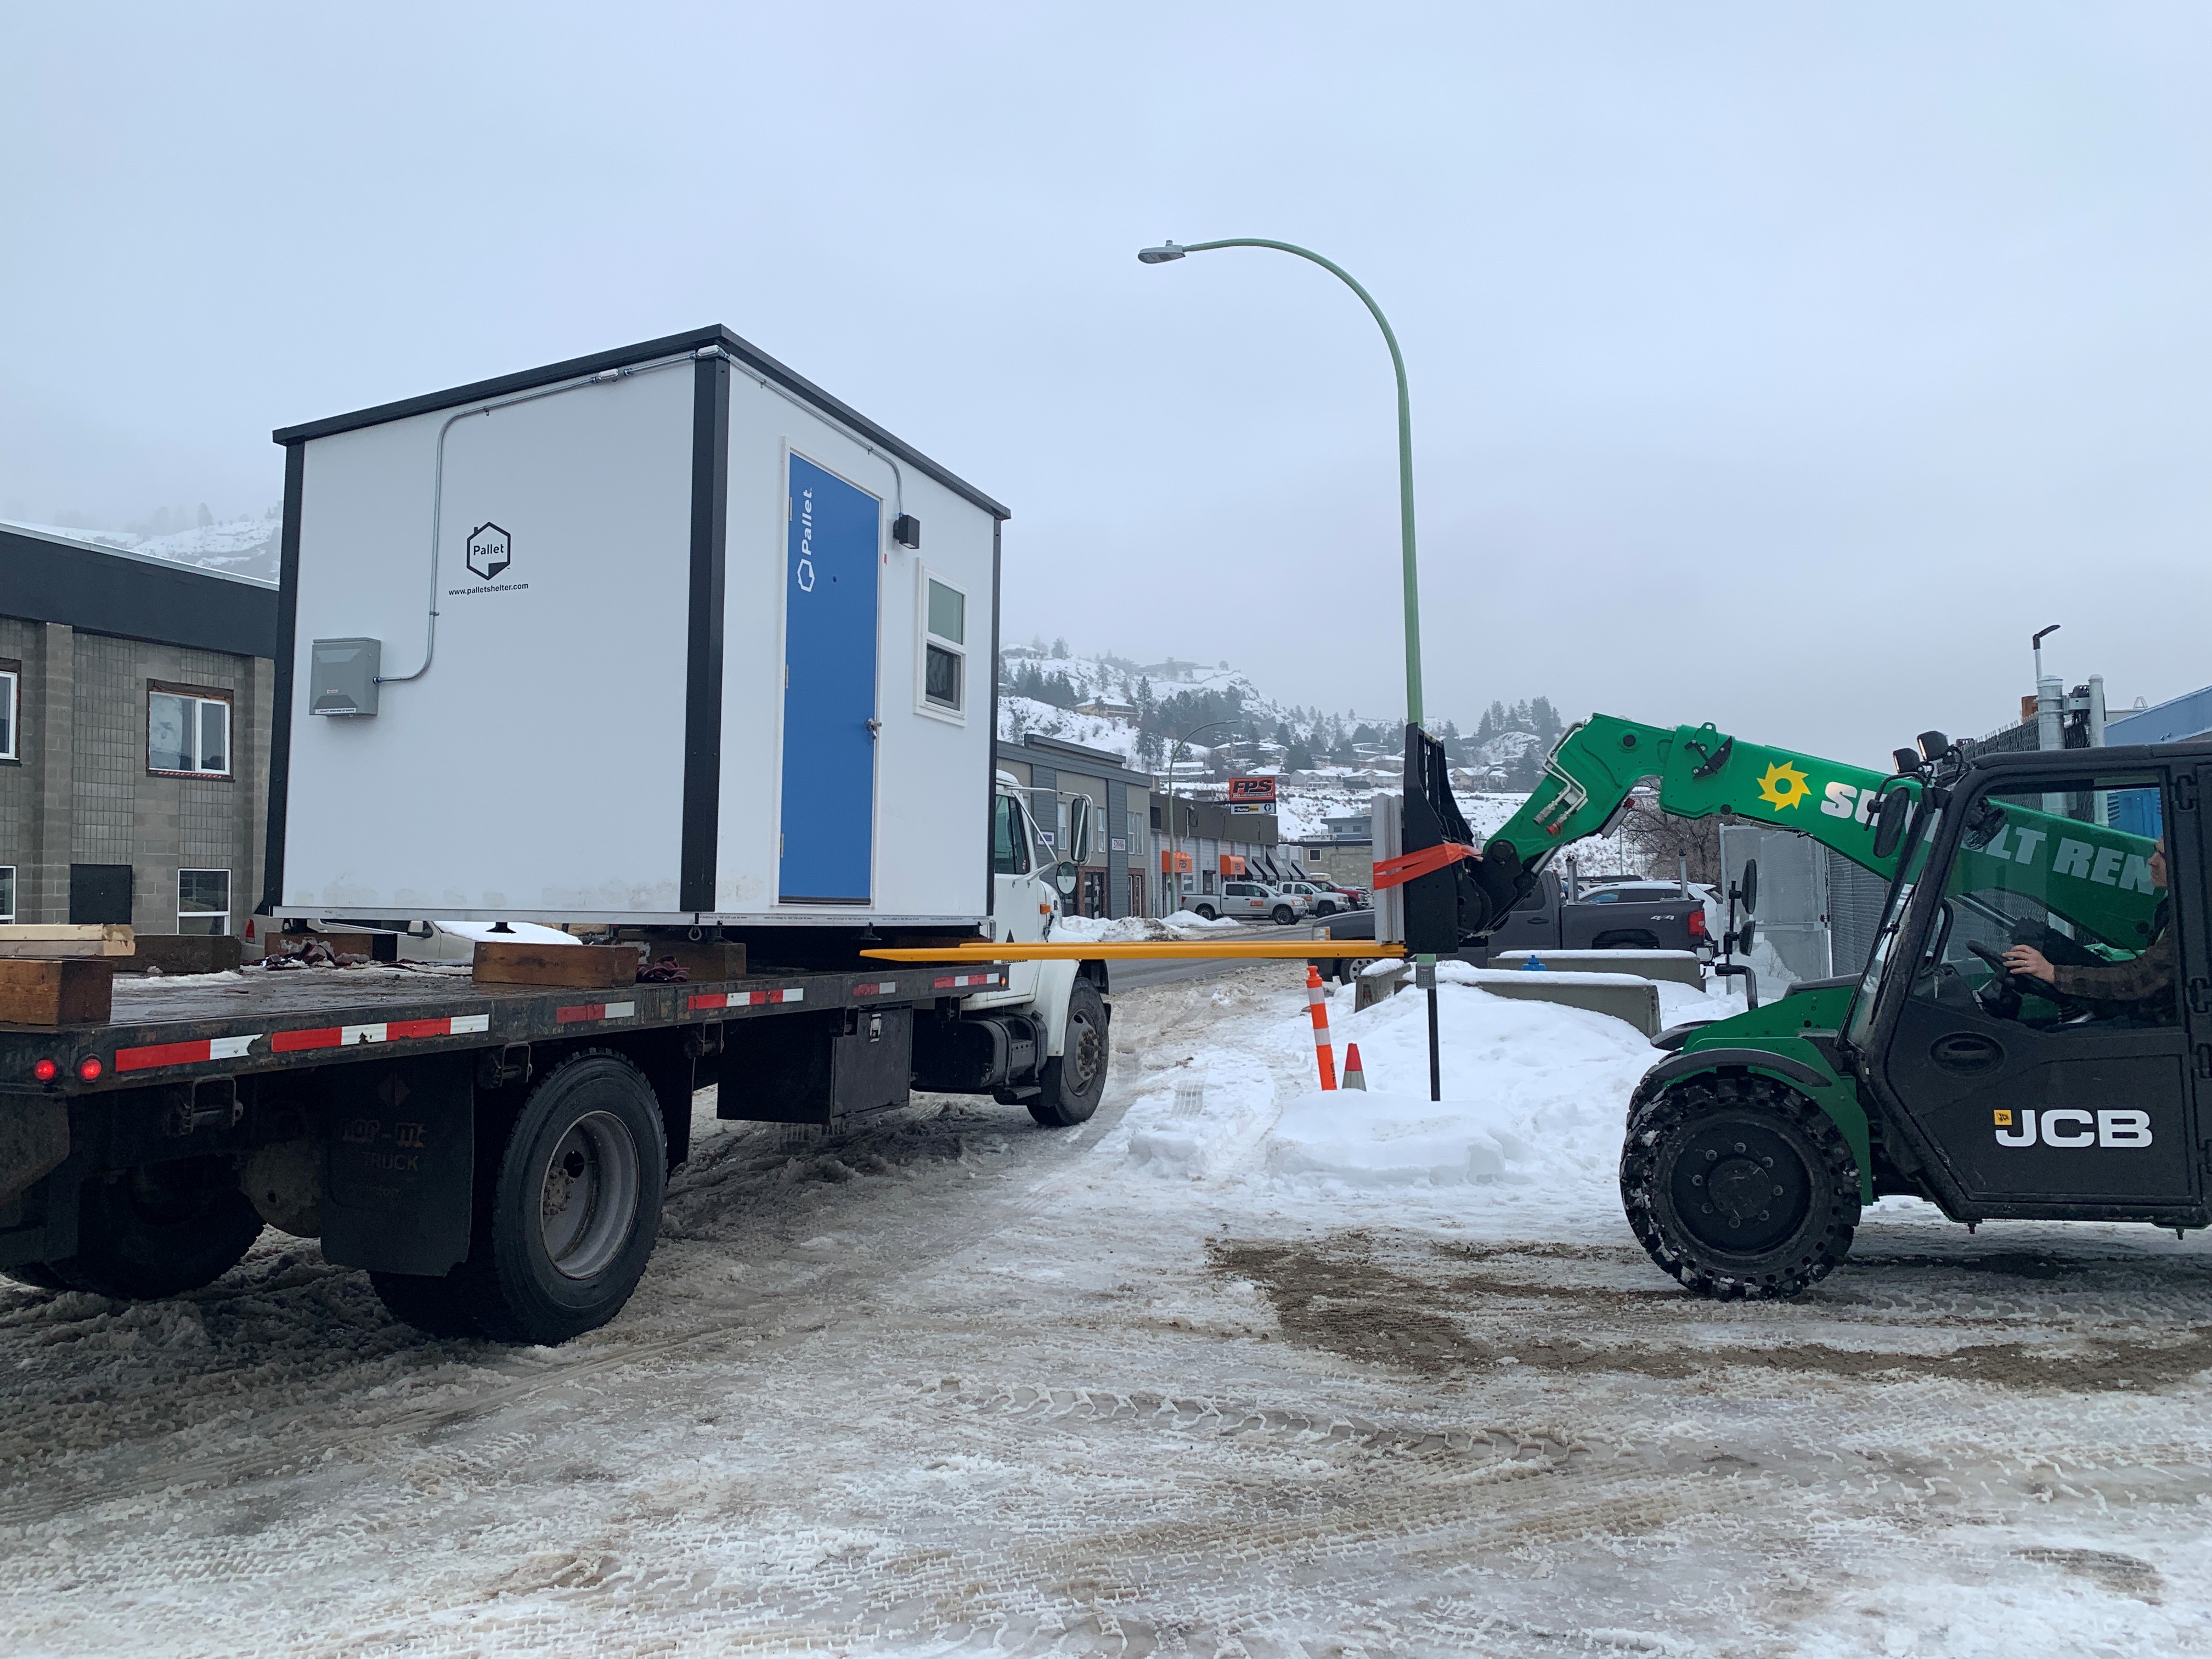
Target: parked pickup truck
pixel 1622 920
pixel 1253 900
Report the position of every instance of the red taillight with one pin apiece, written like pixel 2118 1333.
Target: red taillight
pixel 45 1071
pixel 1697 925
pixel 89 1069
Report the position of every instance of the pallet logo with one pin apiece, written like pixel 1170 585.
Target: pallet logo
pixel 2072 1127
pixel 491 549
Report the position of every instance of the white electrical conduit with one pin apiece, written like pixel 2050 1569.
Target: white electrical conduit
pixel 605 377
pixel 898 479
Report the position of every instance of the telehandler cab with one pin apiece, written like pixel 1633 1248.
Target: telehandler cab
pixel 1939 1072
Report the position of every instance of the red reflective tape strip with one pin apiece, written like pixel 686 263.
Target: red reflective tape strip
pixel 398 1031
pixel 881 989
pixel 160 1053
pixel 953 981
pixel 587 1011
pixel 322 1037
pixel 748 999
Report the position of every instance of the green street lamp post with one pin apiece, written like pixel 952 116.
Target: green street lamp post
pixel 1167 250
pixel 1425 967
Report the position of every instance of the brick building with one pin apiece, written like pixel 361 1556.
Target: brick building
pixel 136 695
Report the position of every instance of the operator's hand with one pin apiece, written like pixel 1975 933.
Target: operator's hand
pixel 2028 960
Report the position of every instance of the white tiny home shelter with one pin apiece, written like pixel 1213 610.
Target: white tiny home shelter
pixel 644 637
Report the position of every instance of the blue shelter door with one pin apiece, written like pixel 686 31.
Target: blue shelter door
pixel 829 598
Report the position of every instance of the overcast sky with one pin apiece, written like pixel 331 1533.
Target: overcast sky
pixel 1784 366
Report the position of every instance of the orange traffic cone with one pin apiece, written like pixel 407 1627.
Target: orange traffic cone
pixel 1354 1077
pixel 1317 1002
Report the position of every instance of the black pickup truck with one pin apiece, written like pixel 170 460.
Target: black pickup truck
pixel 1642 915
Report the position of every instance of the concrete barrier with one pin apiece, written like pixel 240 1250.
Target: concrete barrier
pixel 1623 996
pixel 1677 967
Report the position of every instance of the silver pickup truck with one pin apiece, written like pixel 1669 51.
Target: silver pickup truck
pixel 1641 916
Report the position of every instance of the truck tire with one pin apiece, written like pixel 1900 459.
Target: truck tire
pixel 1207 911
pixel 160 1230
pixel 1285 915
pixel 1326 908
pixel 1075 1081
pixel 1739 1187
pixel 566 1221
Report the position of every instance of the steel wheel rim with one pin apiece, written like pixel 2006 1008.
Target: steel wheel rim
pixel 588 1195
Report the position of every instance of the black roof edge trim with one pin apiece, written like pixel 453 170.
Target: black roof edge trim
pixel 2089 760
pixel 645 351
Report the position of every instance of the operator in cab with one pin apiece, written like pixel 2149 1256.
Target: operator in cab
pixel 2144 987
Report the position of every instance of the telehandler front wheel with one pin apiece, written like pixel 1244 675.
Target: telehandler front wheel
pixel 1739 1187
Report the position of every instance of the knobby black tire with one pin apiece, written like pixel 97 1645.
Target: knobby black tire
pixel 160 1230
pixel 1074 1082
pixel 509 1286
pixel 1664 1128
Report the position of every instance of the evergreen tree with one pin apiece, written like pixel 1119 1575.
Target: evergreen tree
pixel 1060 650
pixel 1548 724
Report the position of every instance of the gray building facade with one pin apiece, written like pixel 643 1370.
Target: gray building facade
pixel 135 700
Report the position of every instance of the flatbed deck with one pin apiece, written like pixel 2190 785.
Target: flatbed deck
pixel 258 1019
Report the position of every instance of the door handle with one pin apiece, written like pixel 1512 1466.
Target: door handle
pixel 1965 1051
pixel 874 727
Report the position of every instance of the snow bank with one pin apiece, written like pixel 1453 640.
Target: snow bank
pixel 1374 1139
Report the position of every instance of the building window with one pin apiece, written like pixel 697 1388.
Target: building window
pixel 7 893
pixel 202 901
pixel 943 666
pixel 10 677
pixel 187 733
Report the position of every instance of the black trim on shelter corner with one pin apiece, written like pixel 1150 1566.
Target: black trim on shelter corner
pixel 45 579
pixel 626 356
pixel 991 752
pixel 702 676
pixel 280 724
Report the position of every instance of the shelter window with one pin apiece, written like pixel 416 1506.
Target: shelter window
pixel 943 654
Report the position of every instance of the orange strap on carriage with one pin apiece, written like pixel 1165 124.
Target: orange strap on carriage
pixel 1407 867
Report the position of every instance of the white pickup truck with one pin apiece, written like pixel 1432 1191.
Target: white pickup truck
pixel 1253 899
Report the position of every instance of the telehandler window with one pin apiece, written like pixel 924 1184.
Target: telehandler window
pixel 2051 916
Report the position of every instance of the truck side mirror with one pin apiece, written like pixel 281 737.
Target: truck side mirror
pixel 1890 816
pixel 1749 888
pixel 1079 830
pixel 1744 934
pixel 1065 875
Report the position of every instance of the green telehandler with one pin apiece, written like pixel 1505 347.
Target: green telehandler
pixel 1944 1069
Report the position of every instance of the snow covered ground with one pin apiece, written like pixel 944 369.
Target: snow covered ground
pixel 1236 1368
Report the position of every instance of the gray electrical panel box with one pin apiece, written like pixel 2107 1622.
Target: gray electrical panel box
pixel 345 673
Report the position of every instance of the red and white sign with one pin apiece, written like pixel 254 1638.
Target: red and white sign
pixel 1251 791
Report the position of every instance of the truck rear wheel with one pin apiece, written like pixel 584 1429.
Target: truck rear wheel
pixel 566 1224
pixel 1739 1187
pixel 1075 1081
pixel 1206 912
pixel 160 1230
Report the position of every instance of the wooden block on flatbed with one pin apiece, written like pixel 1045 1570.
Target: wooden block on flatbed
pixel 77 992
pixel 584 967
pixel 704 962
pixel 57 939
pixel 184 953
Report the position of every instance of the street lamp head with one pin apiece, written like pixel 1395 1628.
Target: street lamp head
pixel 1160 255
